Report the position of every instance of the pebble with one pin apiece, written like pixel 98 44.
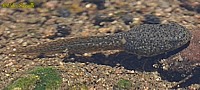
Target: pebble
pixel 99 3
pixel 63 13
pixel 191 6
pixel 102 18
pixel 51 4
pixel 151 19
pixel 63 30
pixel 127 19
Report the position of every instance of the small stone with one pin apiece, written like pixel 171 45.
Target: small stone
pixel 99 3
pixel 127 19
pixel 102 18
pixel 24 43
pixel 191 6
pixel 197 8
pixel 7 75
pixel 63 12
pixel 104 30
pixel 51 4
pixel 63 30
pixel 151 19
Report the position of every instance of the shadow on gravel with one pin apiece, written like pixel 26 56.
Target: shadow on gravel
pixel 132 62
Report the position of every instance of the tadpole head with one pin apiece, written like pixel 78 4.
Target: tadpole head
pixel 154 39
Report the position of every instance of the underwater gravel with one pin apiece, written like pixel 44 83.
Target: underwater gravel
pixel 24 27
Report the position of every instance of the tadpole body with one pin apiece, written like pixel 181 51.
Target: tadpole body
pixel 143 40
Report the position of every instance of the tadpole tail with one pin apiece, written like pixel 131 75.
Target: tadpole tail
pixel 75 45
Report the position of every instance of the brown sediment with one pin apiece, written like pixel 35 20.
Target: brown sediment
pixel 192 52
pixel 188 59
pixel 187 63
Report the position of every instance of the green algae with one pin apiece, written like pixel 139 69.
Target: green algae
pixel 23 83
pixel 49 78
pixel 123 84
pixel 40 78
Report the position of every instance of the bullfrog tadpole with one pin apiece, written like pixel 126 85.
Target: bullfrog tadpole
pixel 143 40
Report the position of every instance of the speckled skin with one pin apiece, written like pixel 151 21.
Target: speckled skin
pixel 144 40
pixel 149 40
